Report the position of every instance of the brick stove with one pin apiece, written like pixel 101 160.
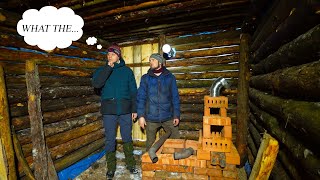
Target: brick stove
pixel 215 156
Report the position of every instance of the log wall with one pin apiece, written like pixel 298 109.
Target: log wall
pixel 284 88
pixel 70 109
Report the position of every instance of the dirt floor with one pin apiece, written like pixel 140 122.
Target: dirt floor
pixel 98 170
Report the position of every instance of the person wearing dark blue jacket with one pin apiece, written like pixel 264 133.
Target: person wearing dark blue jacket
pixel 158 103
pixel 118 105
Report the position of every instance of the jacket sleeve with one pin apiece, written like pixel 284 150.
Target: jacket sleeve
pixel 100 76
pixel 142 97
pixel 175 98
pixel 133 92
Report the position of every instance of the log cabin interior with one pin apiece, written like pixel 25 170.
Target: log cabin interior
pixel 268 51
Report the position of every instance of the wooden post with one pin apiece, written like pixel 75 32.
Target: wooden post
pixel 162 41
pixel 7 153
pixel 39 151
pixel 242 99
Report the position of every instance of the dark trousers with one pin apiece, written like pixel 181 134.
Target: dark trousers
pixel 152 129
pixel 110 123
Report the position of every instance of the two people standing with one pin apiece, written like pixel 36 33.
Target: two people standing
pixel 156 104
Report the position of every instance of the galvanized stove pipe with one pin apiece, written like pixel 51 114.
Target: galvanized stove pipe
pixel 185 153
pixel 217 86
pixel 152 151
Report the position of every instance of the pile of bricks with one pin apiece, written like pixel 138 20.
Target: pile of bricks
pixel 215 156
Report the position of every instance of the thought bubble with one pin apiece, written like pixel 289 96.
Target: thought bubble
pixel 91 40
pixel 50 27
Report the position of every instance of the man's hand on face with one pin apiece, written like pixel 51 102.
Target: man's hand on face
pixel 111 64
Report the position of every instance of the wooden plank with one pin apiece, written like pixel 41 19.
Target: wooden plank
pixel 266 158
pixel 5 133
pixel 242 98
pixel 3 163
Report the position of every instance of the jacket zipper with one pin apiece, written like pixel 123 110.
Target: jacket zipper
pixel 158 99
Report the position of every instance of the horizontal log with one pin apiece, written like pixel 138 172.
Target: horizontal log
pixel 205 37
pixel 206 75
pixel 59 127
pixel 303 49
pixel 210 44
pixel 301 115
pixel 21 109
pixel 18 69
pixel 204 83
pixel 203 91
pixel 70 146
pixel 284 34
pixel 198 99
pixel 203 61
pixel 295 146
pixel 302 80
pixel 19 95
pixel 12 40
pixel 209 52
pixel 190 135
pixel 55 116
pixel 8 18
pixel 206 68
pixel 66 136
pixel 196 108
pixel 76 156
pixel 17 82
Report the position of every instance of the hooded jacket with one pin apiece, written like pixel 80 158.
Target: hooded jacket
pixel 118 94
pixel 158 97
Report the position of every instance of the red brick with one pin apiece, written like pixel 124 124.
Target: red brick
pixel 229 167
pixel 148 173
pixel 167 175
pixel 230 174
pixel 201 171
pixel 203 154
pixel 151 167
pixel 206 131
pixel 174 143
pixel 227 132
pixel 181 169
pixel 233 157
pixel 216 120
pixel 217 144
pixel 194 144
pixel 214 172
pixel 169 150
pixel 168 159
pixel 189 176
pixel 216 102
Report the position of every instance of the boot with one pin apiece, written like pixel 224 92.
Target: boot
pixel 129 159
pixel 111 164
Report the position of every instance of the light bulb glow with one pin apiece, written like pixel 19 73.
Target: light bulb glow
pixel 166 48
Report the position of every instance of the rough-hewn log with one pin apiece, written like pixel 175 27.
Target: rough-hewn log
pixel 123 9
pixel 242 98
pixel 284 33
pixel 39 150
pixel 8 18
pixel 17 69
pixel 19 95
pixel 19 82
pixel 20 109
pixel 190 126
pixel 59 127
pixel 209 52
pixel 55 116
pixel 206 68
pixel 206 75
pixel 203 61
pixel 288 163
pixel 211 44
pixel 66 136
pixel 78 155
pixel 309 161
pixel 303 49
pixel 203 91
pixel 187 134
pixel 302 80
pixel 12 40
pixel 207 37
pixel 20 157
pixel 203 83
pixel 293 113
pixel 191 108
pixel 252 146
pixel 70 146
pixel 276 15
pixel 5 133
